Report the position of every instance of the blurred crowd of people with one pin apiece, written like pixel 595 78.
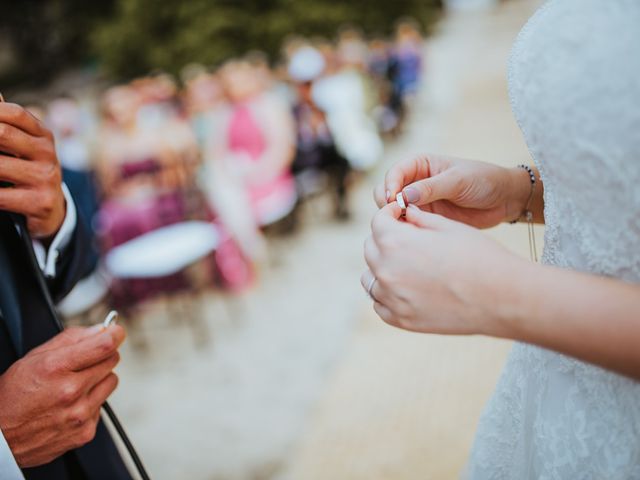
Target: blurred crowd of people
pixel 241 145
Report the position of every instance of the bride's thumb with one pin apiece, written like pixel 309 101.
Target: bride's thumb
pixel 438 187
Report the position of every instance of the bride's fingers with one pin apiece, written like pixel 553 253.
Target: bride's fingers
pixel 372 287
pixel 371 253
pixel 427 220
pixel 443 186
pixel 375 291
pixel 380 195
pixel 384 313
pixel 386 219
pixel 404 173
pixel 365 280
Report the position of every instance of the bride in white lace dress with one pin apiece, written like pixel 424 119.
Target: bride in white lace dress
pixel 575 90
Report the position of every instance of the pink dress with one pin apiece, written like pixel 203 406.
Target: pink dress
pixel 244 135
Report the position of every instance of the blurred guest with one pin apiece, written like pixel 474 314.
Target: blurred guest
pixel 342 93
pixel 378 58
pixel 204 99
pixel 406 60
pixel 157 99
pixel 351 49
pixel 128 155
pixel 69 125
pixel 139 195
pixel 385 112
pixel 315 151
pixel 250 159
pixel 352 56
pixel 160 116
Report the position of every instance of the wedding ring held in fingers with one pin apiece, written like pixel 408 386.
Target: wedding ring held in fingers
pixel 370 288
pixel 110 319
pixel 402 203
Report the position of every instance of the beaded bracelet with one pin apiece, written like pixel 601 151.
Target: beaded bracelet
pixel 532 178
pixel 528 215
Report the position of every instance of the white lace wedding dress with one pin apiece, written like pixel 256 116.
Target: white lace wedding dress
pixel 575 91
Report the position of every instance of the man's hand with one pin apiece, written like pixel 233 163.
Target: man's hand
pixel 50 399
pixel 35 173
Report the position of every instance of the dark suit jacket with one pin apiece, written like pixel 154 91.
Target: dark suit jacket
pixel 27 321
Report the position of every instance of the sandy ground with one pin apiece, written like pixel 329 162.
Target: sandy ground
pixel 299 380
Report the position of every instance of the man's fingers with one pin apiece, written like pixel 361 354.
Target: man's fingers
pixel 18 117
pixel 69 336
pixel 93 349
pixel 19 172
pixel 444 186
pixel 17 142
pixel 92 376
pixel 19 200
pixel 99 394
pixel 404 173
pixel 43 207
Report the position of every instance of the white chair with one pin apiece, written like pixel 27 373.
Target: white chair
pixel 163 252
pixel 85 296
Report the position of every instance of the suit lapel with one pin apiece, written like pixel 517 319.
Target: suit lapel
pixel 10 248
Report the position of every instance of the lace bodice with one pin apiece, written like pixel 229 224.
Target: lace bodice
pixel 574 82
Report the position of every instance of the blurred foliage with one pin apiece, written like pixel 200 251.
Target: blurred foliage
pixel 39 38
pixel 168 34
pixel 132 37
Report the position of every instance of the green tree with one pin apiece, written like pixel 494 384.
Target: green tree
pixel 132 37
pixel 167 34
pixel 42 38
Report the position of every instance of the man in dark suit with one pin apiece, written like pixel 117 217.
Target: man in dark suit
pixel 52 384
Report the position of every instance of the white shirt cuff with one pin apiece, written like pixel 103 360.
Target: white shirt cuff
pixel 9 469
pixel 47 258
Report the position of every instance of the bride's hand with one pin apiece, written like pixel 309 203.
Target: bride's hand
pixel 435 275
pixel 468 191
